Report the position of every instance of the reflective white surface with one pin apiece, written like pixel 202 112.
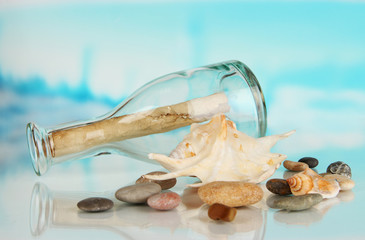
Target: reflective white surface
pixel 45 208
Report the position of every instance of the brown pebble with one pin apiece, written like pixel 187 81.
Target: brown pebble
pixel 232 194
pixel 295 166
pixel 222 212
pixel 165 184
pixel 278 186
pixel 95 204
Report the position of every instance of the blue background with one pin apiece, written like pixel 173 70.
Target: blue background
pixel 308 56
pixel 71 60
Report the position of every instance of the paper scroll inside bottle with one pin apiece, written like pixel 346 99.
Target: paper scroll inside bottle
pixel 159 120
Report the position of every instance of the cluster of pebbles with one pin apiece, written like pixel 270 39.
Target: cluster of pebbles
pixel 223 197
pixel 283 198
pixel 144 191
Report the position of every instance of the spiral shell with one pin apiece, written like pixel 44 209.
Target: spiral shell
pixel 300 184
pixel 309 181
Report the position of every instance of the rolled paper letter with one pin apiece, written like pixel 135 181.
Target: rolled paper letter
pixel 159 120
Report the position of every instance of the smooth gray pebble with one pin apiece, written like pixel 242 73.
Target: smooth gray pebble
pixel 294 203
pixel 138 193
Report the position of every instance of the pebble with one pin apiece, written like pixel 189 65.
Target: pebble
pixel 165 184
pixel 339 168
pixel 278 186
pixel 310 161
pixel 222 212
pixel 295 166
pixel 164 201
pixel 138 193
pixel 232 194
pixel 294 203
pixel 344 182
pixel 95 204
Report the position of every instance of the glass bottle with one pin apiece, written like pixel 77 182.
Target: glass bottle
pixel 156 117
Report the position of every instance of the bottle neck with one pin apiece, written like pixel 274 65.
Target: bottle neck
pixel 39 148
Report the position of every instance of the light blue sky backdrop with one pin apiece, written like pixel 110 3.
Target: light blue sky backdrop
pixel 309 56
pixel 65 60
pixel 111 44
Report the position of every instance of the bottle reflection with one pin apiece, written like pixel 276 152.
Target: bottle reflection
pixel 51 209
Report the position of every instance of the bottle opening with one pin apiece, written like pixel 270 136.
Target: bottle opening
pixel 38 148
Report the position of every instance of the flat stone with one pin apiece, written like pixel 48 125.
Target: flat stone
pixel 294 203
pixel 95 204
pixel 310 161
pixel 164 201
pixel 278 186
pixel 232 194
pixel 340 168
pixel 138 193
pixel 165 184
pixel 222 212
pixel 344 182
pixel 295 166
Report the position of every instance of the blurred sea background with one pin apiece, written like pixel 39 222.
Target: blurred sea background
pixel 72 60
pixel 66 60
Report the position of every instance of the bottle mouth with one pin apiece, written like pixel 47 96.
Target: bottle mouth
pixel 38 148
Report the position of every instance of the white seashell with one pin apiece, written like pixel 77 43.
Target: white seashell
pixel 217 151
pixel 309 181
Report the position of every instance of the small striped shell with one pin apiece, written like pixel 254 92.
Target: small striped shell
pixel 309 181
pixel 300 184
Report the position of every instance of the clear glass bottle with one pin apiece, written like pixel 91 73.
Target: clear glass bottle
pixel 156 117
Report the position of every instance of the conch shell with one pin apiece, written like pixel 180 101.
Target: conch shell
pixel 309 181
pixel 217 151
